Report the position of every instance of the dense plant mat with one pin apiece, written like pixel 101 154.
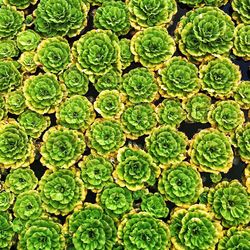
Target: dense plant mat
pixel 124 124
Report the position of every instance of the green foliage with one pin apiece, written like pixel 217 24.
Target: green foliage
pixel 33 123
pixel 167 145
pixel 138 120
pixel 61 17
pixel 155 205
pixel 97 51
pixel 109 104
pixel 96 172
pixel 11 21
pixel 199 37
pixel 114 16
pixel 89 227
pixel 105 137
pixel 139 85
pixel 152 47
pixel 220 77
pixel 53 55
pixel 135 169
pixel 28 40
pixel 141 230
pixel 170 112
pixel 115 200
pixel 10 77
pixel 43 93
pixel 16 149
pixel 211 151
pixel 181 184
pixel 230 203
pixel 20 180
pixel 75 112
pixel 61 147
pixel 146 13
pixel 241 44
pixel 61 191
pixel 179 78
pixel 75 81
pixel 194 228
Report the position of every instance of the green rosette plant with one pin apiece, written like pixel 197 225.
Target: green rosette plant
pixel 109 81
pixel 90 228
pixel 115 200
pixel 241 41
pixel 126 55
pixel 114 16
pixel 61 17
pixel 34 123
pixel 97 51
pixel 42 233
pixel 3 110
pixel 20 180
pixel 61 191
pixel 20 4
pixel 205 31
pixel 138 120
pixel 146 13
pixel 235 238
pixel 135 169
pixel 75 112
pixel 226 116
pixel 11 21
pixel 76 82
pixel 216 3
pixel 61 147
pixel 152 47
pixel 96 172
pixel 242 11
pixel 8 49
pixel 194 228
pixel 29 20
pixel 28 206
pixel 242 94
pixel 6 200
pixel 155 205
pixel 167 145
pixel 16 149
pixel 43 93
pixel 10 77
pixel 28 40
pixel 220 77
pixel 211 151
pixel 215 178
pixel 197 107
pixel 139 85
pixel 53 55
pixel 143 231
pixel 109 104
pixel 242 139
pixel 27 62
pixel 203 196
pixel 15 102
pixel 170 112
pixel 105 137
pixel 181 184
pixel 178 78
pixel 6 230
pixel 230 203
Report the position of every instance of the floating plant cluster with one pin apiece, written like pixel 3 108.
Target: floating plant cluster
pixel 94 99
